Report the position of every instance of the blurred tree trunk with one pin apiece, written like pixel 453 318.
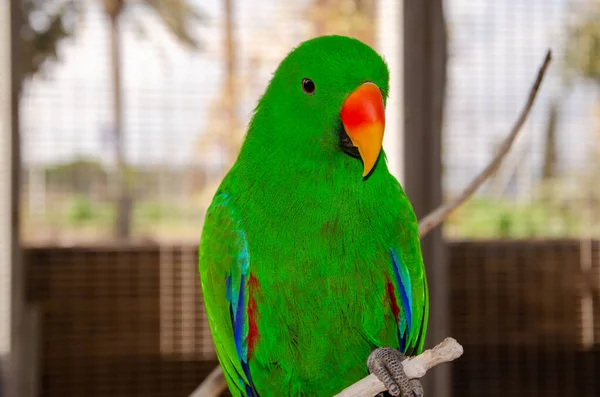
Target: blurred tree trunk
pixel 550 158
pixel 596 149
pixel 354 18
pixel 38 47
pixel 231 99
pixel 224 132
pixel 320 23
pixel 367 31
pixel 113 10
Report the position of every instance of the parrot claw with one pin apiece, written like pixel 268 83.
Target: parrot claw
pixel 386 364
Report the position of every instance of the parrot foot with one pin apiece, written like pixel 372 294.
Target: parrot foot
pixel 386 364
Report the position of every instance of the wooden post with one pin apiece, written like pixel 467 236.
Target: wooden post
pixel 11 273
pixel 424 44
pixel 5 195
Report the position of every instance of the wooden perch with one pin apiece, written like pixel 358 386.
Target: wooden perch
pixel 215 383
pixel 414 367
pixel 436 217
pixel 212 386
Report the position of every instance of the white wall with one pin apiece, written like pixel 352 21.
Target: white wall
pixel 389 44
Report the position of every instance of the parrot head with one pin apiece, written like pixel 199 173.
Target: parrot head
pixel 326 100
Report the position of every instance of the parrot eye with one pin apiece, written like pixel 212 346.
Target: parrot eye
pixel 308 86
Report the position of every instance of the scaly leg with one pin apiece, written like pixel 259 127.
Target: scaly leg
pixel 386 364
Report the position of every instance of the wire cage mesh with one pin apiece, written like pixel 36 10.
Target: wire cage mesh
pixel 115 318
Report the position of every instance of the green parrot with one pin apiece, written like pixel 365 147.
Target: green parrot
pixel 310 260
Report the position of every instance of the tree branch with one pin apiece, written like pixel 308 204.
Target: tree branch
pixel 436 217
pixel 215 383
pixel 212 386
pixel 415 367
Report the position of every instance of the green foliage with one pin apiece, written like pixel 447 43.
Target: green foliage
pixel 46 23
pixel 178 16
pixel 152 212
pixel 78 176
pixel 149 214
pixel 79 217
pixel 506 219
pixel 583 49
pixel 81 211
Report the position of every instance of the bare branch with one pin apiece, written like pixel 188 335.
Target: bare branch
pixel 436 217
pixel 212 386
pixel 415 367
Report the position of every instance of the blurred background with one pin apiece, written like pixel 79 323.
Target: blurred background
pixel 124 115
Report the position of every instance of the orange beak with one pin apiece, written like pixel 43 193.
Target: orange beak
pixel 363 116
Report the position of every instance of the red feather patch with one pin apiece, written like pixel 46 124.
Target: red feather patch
pixel 393 303
pixel 252 312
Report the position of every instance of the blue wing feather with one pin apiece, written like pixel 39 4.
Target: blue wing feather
pixel 403 282
pixel 236 295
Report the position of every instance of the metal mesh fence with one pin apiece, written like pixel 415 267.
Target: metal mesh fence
pixel 525 317
pixel 130 322
pixel 119 321
pixel 181 124
pixel 544 187
pixel 127 319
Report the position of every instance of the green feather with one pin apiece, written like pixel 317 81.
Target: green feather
pixel 319 237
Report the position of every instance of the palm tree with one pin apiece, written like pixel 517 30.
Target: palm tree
pixel 550 163
pixel 39 46
pixel 176 15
